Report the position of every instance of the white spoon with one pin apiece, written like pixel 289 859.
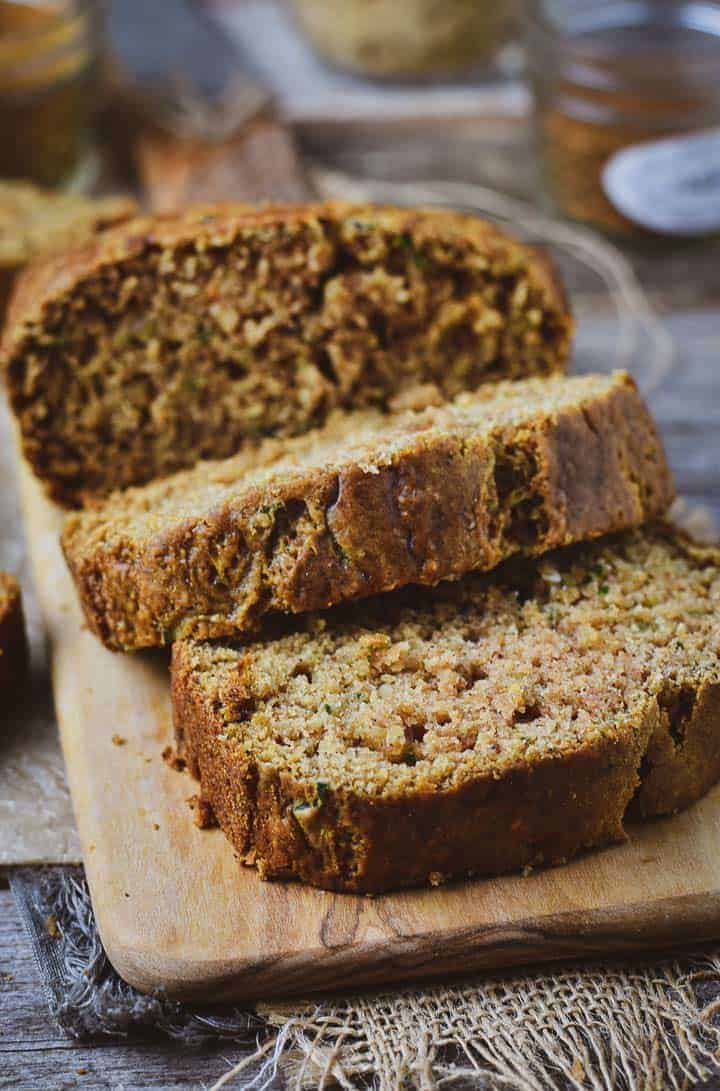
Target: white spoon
pixel 670 186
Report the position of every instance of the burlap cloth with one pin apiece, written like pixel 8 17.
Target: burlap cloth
pixel 644 1025
pixel 633 1025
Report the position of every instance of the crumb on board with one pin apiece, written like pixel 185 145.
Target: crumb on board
pixel 172 758
pixel 203 814
pixel 119 740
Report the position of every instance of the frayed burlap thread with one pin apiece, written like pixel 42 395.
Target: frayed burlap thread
pixel 641 1027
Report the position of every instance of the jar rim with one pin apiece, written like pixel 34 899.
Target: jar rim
pixel 696 15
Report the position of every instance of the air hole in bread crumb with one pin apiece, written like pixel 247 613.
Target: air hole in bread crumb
pixel 324 365
pixel 677 702
pixel 301 670
pixel 527 714
pixel 416 732
pixel 285 520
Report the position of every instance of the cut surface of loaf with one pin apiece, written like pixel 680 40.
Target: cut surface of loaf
pixel 13 645
pixel 369 504
pixel 501 722
pixel 177 338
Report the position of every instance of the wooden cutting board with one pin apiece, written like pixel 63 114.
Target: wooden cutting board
pixel 175 910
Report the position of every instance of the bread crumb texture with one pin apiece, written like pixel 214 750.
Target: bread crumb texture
pixel 176 338
pixel 368 504
pixel 490 725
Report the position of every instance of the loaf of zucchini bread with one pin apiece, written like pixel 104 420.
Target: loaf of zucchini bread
pixel 13 644
pixel 178 338
pixel 489 725
pixel 370 503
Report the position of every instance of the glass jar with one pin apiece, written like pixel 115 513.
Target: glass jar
pixel 404 38
pixel 606 76
pixel 48 54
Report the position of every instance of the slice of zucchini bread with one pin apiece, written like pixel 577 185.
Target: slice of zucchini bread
pixel 497 723
pixel 177 338
pixel 370 503
pixel 13 644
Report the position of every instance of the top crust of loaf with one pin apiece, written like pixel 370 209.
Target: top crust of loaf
pixel 173 339
pixel 218 224
pixel 368 504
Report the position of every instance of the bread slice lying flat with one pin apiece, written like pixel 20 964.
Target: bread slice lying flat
pixel 13 646
pixel 177 338
pixel 501 722
pixel 367 505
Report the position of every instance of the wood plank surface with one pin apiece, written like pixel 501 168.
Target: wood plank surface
pixel 34 1053
pixel 174 908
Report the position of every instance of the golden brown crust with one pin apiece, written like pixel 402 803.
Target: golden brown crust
pixel 383 299
pixel 13 643
pixel 558 794
pixel 535 465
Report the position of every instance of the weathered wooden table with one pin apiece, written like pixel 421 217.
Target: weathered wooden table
pixel 685 286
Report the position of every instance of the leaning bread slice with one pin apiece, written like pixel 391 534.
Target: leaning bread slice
pixel 178 338
pixel 485 726
pixel 13 646
pixel 367 505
